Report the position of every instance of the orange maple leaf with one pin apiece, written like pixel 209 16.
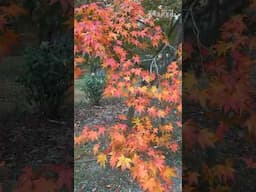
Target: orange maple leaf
pixel 122 117
pixel 151 184
pixel 96 148
pixel 168 173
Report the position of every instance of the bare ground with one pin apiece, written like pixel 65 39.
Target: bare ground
pixel 88 175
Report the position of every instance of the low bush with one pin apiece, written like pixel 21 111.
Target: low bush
pixel 93 87
pixel 47 75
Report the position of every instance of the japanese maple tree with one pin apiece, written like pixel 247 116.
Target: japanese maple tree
pixel 225 91
pixel 140 141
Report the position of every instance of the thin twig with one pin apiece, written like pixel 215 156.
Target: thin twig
pixel 197 33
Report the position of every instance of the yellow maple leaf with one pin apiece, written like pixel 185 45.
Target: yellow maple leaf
pixel 101 159
pixel 154 90
pixel 124 162
pixel 168 173
pixel 136 121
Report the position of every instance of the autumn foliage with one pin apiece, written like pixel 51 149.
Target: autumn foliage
pixel 225 92
pixel 41 177
pixel 138 142
pixel 45 178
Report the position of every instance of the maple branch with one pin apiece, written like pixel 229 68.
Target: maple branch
pixel 195 30
pixel 188 10
pixel 153 63
pixel 197 33
pixel 142 22
pixel 154 58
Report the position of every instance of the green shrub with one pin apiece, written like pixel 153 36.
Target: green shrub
pixel 47 75
pixel 94 85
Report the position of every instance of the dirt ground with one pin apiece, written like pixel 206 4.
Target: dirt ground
pixel 88 175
